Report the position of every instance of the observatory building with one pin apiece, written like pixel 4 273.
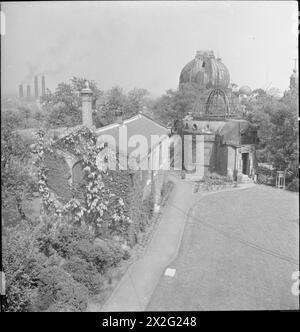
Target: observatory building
pixel 218 120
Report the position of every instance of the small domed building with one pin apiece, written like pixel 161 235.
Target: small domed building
pixel 245 90
pixel 221 139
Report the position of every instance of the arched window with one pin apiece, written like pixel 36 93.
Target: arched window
pixel 195 126
pixel 217 103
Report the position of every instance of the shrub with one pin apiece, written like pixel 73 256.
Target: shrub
pixel 84 273
pixel 294 185
pixel 17 298
pixel 58 286
pixel 21 264
pixel 59 307
pixel 148 207
pixel 102 257
pixel 68 237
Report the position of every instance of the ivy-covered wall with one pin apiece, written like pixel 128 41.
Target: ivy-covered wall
pixel 116 203
pixel 133 187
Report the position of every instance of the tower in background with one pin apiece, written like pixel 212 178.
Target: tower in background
pixel 43 86
pixel 294 78
pixel 36 87
pixel 21 93
pixel 28 92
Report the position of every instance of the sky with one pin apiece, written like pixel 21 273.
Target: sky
pixel 146 44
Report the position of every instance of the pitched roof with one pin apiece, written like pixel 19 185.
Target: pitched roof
pixel 59 132
pixel 139 124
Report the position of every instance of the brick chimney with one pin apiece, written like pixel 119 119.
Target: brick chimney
pixel 86 98
pixel 119 116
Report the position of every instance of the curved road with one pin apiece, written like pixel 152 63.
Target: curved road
pixel 238 252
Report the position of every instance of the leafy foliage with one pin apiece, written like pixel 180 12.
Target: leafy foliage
pixel 102 257
pixel 294 185
pixel 54 267
pixel 17 180
pixel 115 100
pixel 63 106
pixel 175 104
pixel 278 134
pixel 21 266
pixel 84 272
pixel 57 286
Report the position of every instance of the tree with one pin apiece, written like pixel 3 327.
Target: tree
pixel 274 92
pixel 175 104
pixel 63 106
pixel 17 183
pixel 278 127
pixel 284 139
pixel 112 100
pixel 25 113
pixel 135 101
pixel 115 100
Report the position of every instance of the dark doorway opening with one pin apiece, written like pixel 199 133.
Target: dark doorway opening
pixel 77 173
pixel 245 160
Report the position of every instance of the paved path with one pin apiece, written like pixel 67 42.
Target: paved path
pixel 238 252
pixel 136 287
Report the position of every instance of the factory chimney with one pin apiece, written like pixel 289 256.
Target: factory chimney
pixel 21 95
pixel 36 87
pixel 43 86
pixel 28 92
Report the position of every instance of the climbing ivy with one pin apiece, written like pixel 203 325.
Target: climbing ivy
pixel 96 196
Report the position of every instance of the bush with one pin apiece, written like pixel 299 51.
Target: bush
pixel 59 307
pixel 68 237
pixel 294 185
pixel 17 298
pixel 266 176
pixel 21 264
pixel 78 242
pixel 216 179
pixel 84 273
pixel 265 171
pixel 58 286
pixel 102 257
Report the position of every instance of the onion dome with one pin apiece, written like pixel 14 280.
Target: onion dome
pixel 206 71
pixel 245 90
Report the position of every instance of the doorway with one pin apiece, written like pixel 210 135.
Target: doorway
pixel 245 161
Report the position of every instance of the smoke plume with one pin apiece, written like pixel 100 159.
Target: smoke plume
pixel 49 62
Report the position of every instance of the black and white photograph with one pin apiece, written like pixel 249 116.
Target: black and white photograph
pixel 149 159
